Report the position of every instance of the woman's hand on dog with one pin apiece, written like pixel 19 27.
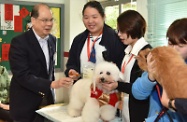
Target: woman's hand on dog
pixel 164 98
pixel 150 67
pixel 110 85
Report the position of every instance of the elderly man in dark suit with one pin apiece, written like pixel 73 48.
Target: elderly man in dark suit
pixel 32 65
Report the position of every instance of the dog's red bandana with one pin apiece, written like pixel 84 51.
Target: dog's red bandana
pixel 104 99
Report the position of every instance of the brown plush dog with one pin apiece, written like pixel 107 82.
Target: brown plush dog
pixel 171 70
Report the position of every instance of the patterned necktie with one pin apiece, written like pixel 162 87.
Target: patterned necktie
pixel 93 53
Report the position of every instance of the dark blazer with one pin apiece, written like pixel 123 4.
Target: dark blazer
pixel 110 40
pixel 138 109
pixel 30 81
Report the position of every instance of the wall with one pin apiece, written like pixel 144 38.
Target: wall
pixel 142 8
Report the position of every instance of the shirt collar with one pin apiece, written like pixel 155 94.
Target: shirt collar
pixel 38 37
pixel 137 47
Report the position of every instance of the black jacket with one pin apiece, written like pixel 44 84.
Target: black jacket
pixel 30 78
pixel 115 48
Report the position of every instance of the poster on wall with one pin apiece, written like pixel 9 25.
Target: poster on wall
pixel 5 52
pixel 8 11
pixel 56 27
pixel 16 19
pixel 7 22
pixel 56 24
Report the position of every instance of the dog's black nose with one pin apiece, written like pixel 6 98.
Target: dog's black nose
pixel 102 79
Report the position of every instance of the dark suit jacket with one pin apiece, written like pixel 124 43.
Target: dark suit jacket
pixel 110 40
pixel 30 81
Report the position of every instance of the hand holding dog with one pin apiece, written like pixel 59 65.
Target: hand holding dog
pixel 63 82
pixel 110 85
pixel 150 67
pixel 164 98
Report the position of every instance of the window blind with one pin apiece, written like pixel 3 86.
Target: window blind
pixel 161 13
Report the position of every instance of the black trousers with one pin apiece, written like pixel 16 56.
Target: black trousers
pixel 5 115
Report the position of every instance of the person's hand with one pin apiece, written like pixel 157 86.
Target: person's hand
pixel 150 67
pixel 164 98
pixel 110 85
pixel 73 74
pixel 4 106
pixel 63 82
pixel 168 103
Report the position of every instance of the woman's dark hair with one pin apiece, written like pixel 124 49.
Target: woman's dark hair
pixel 35 10
pixel 132 23
pixel 177 32
pixel 96 5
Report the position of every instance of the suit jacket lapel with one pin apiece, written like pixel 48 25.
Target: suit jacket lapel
pixel 36 47
pixel 52 51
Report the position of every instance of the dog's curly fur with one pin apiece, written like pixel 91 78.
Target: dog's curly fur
pixel 82 104
pixel 171 70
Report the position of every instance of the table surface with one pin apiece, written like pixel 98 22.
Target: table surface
pixel 58 113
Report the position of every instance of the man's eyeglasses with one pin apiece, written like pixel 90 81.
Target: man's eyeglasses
pixel 46 20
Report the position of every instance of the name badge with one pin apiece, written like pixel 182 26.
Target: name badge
pixel 88 72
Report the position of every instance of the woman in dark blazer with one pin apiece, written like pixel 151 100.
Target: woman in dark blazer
pixel 108 46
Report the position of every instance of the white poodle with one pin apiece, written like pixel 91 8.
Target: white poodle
pixel 87 99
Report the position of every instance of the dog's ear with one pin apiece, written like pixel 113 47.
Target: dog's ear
pixel 137 57
pixel 142 55
pixel 142 58
pixel 145 52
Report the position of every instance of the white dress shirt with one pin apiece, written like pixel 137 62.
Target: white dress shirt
pixel 44 46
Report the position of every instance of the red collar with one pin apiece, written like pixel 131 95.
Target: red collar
pixel 104 99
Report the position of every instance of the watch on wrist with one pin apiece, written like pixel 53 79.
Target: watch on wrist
pixel 170 107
